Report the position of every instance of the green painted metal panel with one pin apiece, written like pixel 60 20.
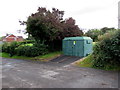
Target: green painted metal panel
pixel 77 46
pixel 87 47
pixel 69 48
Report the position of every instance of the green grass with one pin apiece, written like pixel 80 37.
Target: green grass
pixel 6 55
pixel 41 58
pixel 50 55
pixel 45 57
pixel 87 62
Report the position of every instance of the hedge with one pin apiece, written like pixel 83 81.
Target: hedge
pixel 107 52
pixel 31 51
pixel 21 49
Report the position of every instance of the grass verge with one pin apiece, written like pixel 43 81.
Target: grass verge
pixel 88 62
pixel 45 57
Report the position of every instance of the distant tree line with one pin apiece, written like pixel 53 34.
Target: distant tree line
pixel 96 33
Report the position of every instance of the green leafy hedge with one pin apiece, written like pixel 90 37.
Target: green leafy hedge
pixel 107 52
pixel 21 49
pixel 31 51
pixel 10 48
pixel 27 42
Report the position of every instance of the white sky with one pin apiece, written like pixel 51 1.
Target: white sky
pixel 88 14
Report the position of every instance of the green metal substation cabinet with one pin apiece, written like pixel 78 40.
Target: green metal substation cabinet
pixel 77 46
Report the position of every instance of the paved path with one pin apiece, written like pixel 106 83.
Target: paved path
pixel 24 74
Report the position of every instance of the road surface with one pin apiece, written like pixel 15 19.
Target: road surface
pixel 27 74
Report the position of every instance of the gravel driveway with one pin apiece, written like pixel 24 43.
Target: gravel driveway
pixel 25 74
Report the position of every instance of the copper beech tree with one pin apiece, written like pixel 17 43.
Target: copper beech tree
pixel 50 27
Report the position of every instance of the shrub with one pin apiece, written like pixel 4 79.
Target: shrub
pixel 26 42
pixel 10 47
pixel 107 52
pixel 31 51
pixel 106 35
pixel 25 49
pixel 5 47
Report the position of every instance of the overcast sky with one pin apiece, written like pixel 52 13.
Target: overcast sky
pixel 88 14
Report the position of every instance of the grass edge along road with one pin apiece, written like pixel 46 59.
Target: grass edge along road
pixel 88 62
pixel 45 57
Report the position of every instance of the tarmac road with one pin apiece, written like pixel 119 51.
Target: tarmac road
pixel 28 74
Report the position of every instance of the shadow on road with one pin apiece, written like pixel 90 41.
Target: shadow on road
pixel 63 59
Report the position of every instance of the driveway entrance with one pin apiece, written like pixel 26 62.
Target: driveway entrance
pixel 25 74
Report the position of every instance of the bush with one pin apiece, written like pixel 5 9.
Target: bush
pixel 5 47
pixel 107 52
pixel 106 35
pixel 26 42
pixel 31 51
pixel 43 48
pixel 10 47
pixel 25 49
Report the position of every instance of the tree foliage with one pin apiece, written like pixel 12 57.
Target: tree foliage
pixel 21 49
pixel 106 29
pixel 95 34
pixel 70 29
pixel 107 51
pixel 49 26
